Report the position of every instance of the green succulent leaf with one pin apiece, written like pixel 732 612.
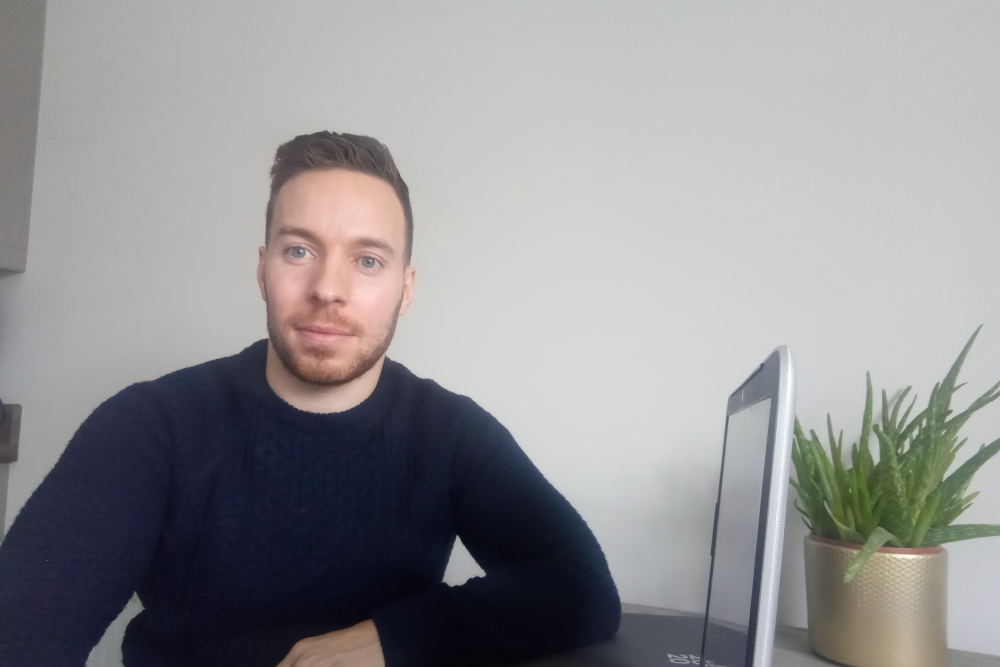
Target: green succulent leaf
pixel 948 384
pixel 895 409
pixel 885 414
pixel 958 481
pixel 948 517
pixel 878 539
pixel 958 421
pixel 848 534
pixel 927 515
pixel 963 531
pixel 895 487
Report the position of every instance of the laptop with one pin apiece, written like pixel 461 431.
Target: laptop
pixel 737 628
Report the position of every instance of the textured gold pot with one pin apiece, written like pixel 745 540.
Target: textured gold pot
pixel 892 614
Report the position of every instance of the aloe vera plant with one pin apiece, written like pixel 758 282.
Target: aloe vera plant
pixel 907 499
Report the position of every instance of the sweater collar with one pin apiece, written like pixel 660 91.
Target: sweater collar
pixel 251 364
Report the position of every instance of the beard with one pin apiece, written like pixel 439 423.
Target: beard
pixel 318 365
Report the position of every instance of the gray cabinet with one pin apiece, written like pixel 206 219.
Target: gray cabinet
pixel 22 30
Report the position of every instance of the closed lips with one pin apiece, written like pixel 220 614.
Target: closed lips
pixel 325 330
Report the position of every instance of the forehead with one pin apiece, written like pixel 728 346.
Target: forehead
pixel 332 202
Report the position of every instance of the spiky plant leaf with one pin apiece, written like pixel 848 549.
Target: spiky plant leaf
pixel 895 409
pixel 877 540
pixel 924 519
pixel 948 384
pixel 848 534
pixel 901 518
pixel 958 481
pixel 963 531
pixel 855 498
pixel 955 511
pixel 958 421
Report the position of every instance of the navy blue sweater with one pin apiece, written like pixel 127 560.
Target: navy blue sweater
pixel 246 524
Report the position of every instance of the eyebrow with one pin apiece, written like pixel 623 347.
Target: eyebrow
pixel 296 231
pixel 369 242
pixel 361 242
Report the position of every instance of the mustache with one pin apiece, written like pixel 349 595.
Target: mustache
pixel 330 318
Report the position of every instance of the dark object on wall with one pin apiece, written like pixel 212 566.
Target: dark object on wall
pixel 10 432
pixel 22 30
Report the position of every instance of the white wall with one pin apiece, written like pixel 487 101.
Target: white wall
pixel 620 209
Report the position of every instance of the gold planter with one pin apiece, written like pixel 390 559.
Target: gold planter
pixel 892 614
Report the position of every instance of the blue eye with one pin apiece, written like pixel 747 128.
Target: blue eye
pixel 298 252
pixel 369 262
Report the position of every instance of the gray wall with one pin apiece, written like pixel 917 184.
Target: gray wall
pixel 620 209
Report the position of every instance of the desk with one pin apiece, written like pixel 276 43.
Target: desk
pixel 791 645
pixel 644 641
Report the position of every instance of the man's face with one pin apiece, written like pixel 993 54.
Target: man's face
pixel 333 274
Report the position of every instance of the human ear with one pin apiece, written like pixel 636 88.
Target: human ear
pixel 262 255
pixel 409 277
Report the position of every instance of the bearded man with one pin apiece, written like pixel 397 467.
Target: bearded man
pixel 296 504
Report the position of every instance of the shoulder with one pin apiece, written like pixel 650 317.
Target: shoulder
pixel 239 368
pixel 444 417
pixel 209 382
pixel 430 400
pixel 208 386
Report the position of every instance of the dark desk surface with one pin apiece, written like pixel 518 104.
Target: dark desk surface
pixel 632 649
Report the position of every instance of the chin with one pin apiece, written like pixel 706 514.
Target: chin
pixel 326 373
pixel 319 366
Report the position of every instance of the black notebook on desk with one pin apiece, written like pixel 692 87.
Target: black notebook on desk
pixel 747 537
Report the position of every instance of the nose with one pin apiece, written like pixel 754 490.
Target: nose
pixel 332 282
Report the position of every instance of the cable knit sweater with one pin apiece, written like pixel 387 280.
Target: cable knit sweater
pixel 245 525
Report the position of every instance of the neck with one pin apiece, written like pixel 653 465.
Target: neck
pixel 316 398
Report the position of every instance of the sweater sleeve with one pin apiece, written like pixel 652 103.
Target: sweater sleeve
pixel 547 586
pixel 82 542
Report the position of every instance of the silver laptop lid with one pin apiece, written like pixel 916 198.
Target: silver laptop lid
pixel 750 518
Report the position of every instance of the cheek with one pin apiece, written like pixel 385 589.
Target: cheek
pixel 285 290
pixel 376 301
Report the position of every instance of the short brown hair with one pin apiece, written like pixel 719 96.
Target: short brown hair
pixel 330 150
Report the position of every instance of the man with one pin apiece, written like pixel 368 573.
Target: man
pixel 295 504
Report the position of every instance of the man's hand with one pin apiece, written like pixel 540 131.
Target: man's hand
pixel 356 646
